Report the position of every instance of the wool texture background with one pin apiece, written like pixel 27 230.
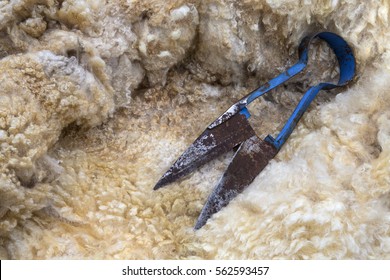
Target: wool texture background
pixel 98 98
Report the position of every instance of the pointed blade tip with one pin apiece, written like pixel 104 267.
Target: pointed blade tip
pixel 161 183
pixel 166 179
pixel 199 224
pixel 204 216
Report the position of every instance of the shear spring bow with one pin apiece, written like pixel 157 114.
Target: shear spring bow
pixel 232 129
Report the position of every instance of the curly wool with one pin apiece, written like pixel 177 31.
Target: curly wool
pixel 169 68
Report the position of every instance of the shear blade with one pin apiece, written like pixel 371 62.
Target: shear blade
pixel 209 145
pixel 249 160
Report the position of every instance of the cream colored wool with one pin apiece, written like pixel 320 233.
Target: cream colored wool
pixel 77 180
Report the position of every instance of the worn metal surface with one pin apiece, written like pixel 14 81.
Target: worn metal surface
pixel 249 160
pixel 209 145
pixel 232 128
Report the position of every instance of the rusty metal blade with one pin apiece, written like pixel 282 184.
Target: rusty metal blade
pixel 209 145
pixel 249 160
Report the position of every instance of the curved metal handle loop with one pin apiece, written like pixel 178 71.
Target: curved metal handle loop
pixel 347 67
pixel 344 56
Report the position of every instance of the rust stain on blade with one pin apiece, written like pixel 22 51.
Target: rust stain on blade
pixel 250 159
pixel 209 145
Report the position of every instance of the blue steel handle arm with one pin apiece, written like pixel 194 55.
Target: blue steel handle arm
pixel 347 67
pixel 240 106
pixel 283 77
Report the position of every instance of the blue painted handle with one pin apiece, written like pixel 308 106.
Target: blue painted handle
pixel 240 106
pixel 347 67
pixel 347 71
pixel 288 128
pixel 281 78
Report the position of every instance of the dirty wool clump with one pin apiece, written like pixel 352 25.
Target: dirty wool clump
pixel 98 99
pixel 41 94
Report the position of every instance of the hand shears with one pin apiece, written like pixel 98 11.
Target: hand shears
pixel 232 129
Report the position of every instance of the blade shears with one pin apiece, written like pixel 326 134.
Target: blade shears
pixel 232 130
